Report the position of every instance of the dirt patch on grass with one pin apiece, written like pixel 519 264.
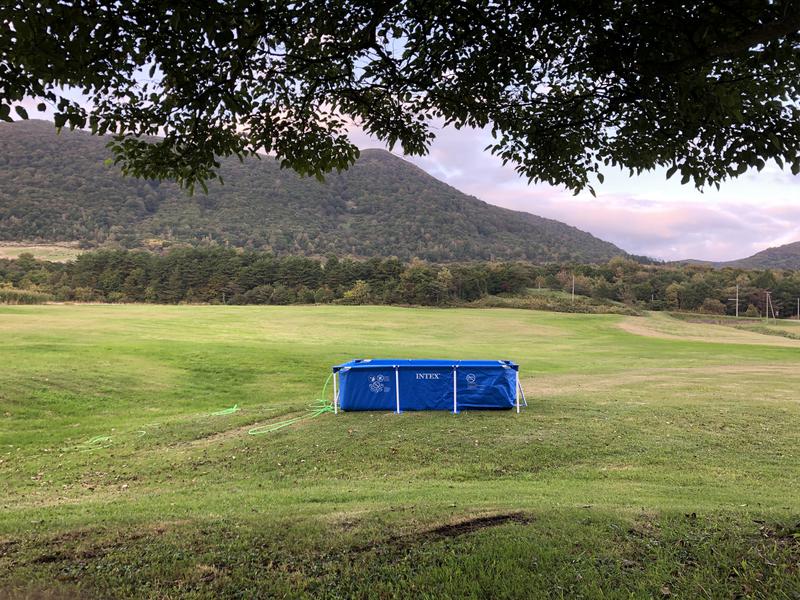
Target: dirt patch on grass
pixel 452 530
pixel 669 328
pixel 221 436
pixel 347 520
pixel 446 531
pixel 229 434
pixel 87 543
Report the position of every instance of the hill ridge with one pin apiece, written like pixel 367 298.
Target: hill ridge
pixel 58 188
pixel 784 256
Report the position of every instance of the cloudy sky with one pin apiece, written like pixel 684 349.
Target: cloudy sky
pixel 647 215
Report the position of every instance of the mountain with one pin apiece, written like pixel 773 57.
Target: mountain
pixel 59 188
pixel 780 257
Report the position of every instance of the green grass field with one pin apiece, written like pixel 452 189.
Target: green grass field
pixel 657 458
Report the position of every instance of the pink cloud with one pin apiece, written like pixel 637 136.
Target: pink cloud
pixel 671 231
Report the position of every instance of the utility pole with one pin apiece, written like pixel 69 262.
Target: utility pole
pixel 736 300
pixel 573 288
pixel 769 306
pixel 772 306
pixel 798 309
pixel 766 304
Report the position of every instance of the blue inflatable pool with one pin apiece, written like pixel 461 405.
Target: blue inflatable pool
pixel 402 384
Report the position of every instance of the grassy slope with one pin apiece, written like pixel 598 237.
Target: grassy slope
pixel 787 328
pixel 49 252
pixel 644 466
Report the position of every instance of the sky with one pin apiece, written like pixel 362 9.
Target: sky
pixel 646 214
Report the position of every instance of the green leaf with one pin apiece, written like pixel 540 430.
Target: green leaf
pixel 21 112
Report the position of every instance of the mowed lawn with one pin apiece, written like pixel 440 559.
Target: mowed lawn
pixel 646 465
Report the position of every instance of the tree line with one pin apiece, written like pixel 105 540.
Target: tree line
pixel 228 276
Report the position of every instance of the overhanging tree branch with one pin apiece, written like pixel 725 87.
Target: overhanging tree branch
pixel 709 88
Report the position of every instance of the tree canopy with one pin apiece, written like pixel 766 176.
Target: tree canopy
pixel 567 87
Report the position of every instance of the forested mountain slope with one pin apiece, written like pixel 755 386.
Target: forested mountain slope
pixel 786 256
pixel 780 257
pixel 58 188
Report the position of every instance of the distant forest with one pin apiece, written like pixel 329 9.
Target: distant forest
pixel 59 188
pixel 227 276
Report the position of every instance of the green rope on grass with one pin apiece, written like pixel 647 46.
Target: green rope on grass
pixel 105 441
pixel 318 407
pixel 95 443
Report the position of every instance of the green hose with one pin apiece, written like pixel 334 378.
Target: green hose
pixel 101 441
pixel 95 443
pixel 105 441
pixel 319 406
pixel 315 409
